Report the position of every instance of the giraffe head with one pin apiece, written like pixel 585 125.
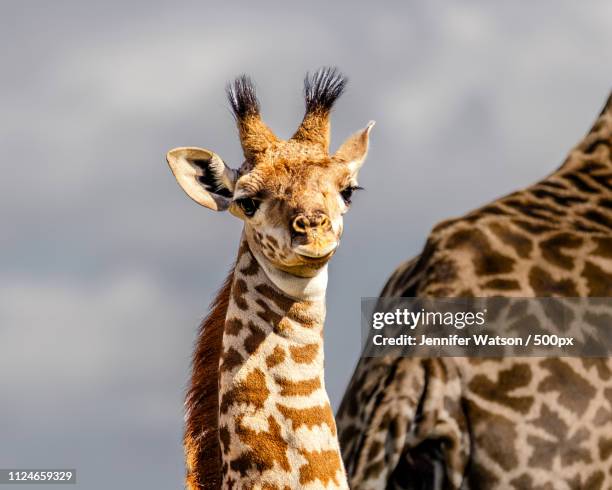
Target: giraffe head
pixel 291 194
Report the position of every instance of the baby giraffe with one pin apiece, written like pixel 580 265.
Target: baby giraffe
pixel 257 413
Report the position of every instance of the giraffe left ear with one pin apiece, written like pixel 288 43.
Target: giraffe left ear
pixel 203 176
pixel 355 148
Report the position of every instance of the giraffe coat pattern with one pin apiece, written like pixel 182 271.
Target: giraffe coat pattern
pixel 512 423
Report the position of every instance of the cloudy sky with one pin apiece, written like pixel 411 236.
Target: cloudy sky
pixel 107 267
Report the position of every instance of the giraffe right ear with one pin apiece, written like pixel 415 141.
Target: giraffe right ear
pixel 355 149
pixel 203 176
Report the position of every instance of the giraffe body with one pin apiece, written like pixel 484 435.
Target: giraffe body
pixel 257 413
pixel 516 423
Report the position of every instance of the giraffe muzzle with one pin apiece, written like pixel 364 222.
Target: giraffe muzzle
pixel 312 236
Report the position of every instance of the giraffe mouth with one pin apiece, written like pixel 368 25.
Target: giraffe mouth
pixel 315 260
pixel 310 254
pixel 306 266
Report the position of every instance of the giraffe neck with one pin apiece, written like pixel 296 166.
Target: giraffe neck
pixel 276 425
pixel 575 196
pixel 592 154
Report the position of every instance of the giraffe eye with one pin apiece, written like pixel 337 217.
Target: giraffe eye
pixel 347 193
pixel 249 206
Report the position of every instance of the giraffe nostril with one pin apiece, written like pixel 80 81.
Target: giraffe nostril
pixel 325 223
pixel 300 224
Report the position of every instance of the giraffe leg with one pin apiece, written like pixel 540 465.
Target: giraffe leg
pixel 416 436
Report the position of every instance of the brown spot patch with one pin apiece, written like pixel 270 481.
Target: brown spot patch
pixel 266 448
pixel 442 270
pixel 595 481
pixel 570 450
pixel 551 422
pixel 525 482
pixel 517 376
pixel 602 417
pixel 281 301
pixel 601 365
pixel 309 417
pixel 605 448
pixel 531 208
pixel 302 314
pixel 373 470
pixel 272 486
pixel 604 247
pixel 268 315
pixel 233 326
pixel 348 436
pixel 482 477
pixel 502 284
pixel 283 327
pixel 580 183
pixel 244 248
pixel 543 284
pixel 253 390
pixel 599 281
pixel 231 359
pixel 552 249
pixel 298 388
pixel 486 260
pixel 598 218
pixel 304 354
pixel 277 357
pixel 575 392
pixel 239 290
pixel 558 198
pixel 225 438
pixel 320 465
pixel 521 244
pixel 533 228
pixel 272 240
pixel 254 339
pixel 375 448
pixel 252 268
pixel 492 209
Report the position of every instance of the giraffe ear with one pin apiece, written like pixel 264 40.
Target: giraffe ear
pixel 203 176
pixel 355 149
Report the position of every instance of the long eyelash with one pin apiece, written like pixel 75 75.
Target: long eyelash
pixel 351 189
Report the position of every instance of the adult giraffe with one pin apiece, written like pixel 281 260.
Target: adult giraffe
pixel 258 415
pixel 515 423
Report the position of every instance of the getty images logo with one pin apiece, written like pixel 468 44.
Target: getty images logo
pixel 409 318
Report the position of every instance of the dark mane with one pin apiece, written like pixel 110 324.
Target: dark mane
pixel 201 440
pixel 322 89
